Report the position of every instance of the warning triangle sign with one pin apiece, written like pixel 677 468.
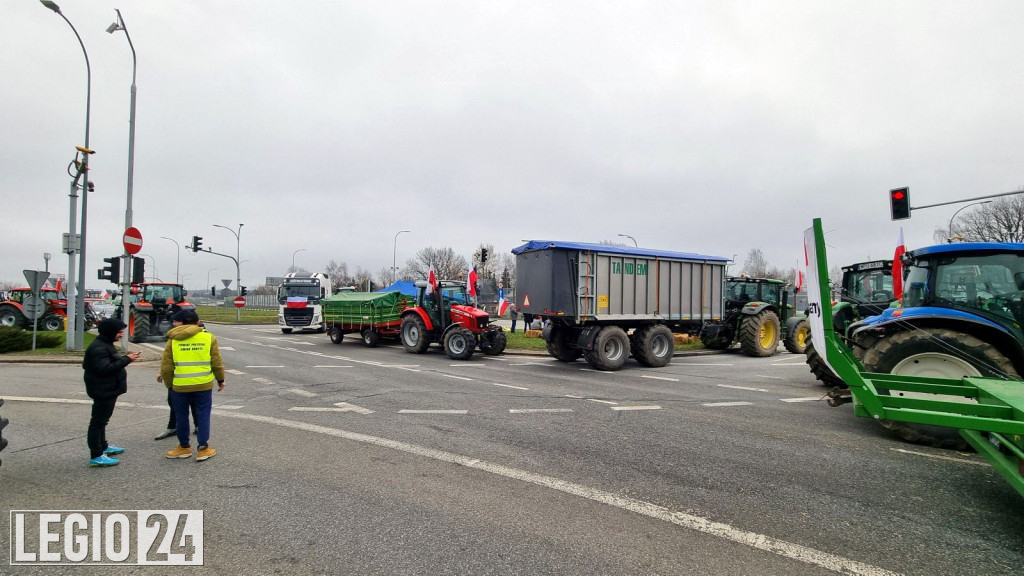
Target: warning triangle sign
pixel 526 300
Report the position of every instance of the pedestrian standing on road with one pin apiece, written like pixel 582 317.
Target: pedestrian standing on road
pixel 513 313
pixel 172 423
pixel 105 380
pixel 191 362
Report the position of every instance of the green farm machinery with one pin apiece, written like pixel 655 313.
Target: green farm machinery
pixel 757 315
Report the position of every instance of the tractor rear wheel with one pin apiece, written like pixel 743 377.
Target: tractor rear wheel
pixel 653 346
pixel 370 337
pixel 139 326
pixel 926 352
pixel 611 349
pixel 11 316
pixel 759 334
pixel 798 332
pixel 558 346
pixel 336 335
pixel 414 335
pixel 821 371
pixel 493 343
pixel 459 343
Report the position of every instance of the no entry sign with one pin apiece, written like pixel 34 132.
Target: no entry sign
pixel 239 302
pixel 132 240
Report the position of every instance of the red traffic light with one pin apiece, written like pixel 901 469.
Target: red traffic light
pixel 898 194
pixel 899 203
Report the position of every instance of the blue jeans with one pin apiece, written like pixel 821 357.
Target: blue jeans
pixel 200 404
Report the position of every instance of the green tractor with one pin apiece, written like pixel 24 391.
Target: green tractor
pixel 866 290
pixel 757 315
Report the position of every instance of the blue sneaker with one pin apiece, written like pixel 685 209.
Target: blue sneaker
pixel 103 460
pixel 113 450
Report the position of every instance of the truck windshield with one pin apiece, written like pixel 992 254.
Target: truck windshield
pixel 992 284
pixel 309 291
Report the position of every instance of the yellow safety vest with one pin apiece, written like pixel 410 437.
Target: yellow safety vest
pixel 192 360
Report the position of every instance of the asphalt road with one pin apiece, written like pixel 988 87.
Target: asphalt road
pixel 342 459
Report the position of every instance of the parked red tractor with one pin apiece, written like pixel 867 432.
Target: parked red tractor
pixel 446 317
pixel 12 311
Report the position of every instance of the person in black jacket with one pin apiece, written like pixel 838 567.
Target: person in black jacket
pixel 105 380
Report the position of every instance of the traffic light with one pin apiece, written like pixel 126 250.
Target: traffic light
pixel 112 271
pixel 138 270
pixel 3 424
pixel 899 203
pixel 244 290
pixel 197 242
pixel 483 255
pixel 213 290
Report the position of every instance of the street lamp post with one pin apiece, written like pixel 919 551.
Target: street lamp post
pixel 208 278
pixel 46 259
pixel 76 313
pixel 635 245
pixel 394 258
pixel 949 239
pixel 126 266
pixel 238 264
pixel 177 268
pixel 293 257
pixel 155 272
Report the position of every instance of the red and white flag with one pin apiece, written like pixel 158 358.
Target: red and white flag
pixel 431 281
pixel 502 306
pixel 471 282
pixel 897 267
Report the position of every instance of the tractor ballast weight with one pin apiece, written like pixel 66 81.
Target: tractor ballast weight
pixel 446 317
pixel 987 411
pixel 152 308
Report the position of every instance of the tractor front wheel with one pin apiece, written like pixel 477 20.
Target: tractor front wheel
pixel 52 322
pixel 459 343
pixel 493 343
pixel 138 326
pixel 759 334
pixel 798 332
pixel 414 335
pixel 611 349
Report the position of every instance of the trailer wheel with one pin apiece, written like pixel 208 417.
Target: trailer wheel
pixel 655 346
pixel 414 335
pixel 337 336
pixel 798 332
pixel 459 343
pixel 11 316
pixel 370 337
pixel 559 348
pixel 494 343
pixel 138 326
pixel 286 330
pixel 819 369
pixel 611 348
pixel 759 334
pixel 926 352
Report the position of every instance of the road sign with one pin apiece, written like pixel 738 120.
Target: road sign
pixel 239 302
pixel 132 240
pixel 33 307
pixel 35 279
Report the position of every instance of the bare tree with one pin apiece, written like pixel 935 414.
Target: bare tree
pixel 755 265
pixel 1002 220
pixel 338 273
pixel 447 265
pixel 488 269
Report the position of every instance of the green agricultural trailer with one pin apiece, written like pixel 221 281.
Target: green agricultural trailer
pixel 987 412
pixel 372 315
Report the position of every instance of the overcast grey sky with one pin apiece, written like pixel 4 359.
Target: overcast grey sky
pixel 711 127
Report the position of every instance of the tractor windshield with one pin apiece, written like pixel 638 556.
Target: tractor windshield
pixel 992 284
pixel 454 294
pixel 163 293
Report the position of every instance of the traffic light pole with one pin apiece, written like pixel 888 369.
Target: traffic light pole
pixel 238 275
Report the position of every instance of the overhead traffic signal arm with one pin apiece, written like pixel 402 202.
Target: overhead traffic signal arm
pixel 899 203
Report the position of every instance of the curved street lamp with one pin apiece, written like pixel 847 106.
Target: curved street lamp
pixel 177 268
pixel 293 257
pixel 238 264
pixel 635 245
pixel 394 258
pixel 949 239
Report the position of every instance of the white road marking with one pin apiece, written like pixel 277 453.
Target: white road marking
pixel 235 372
pixel 226 348
pixel 346 407
pixel 301 392
pixel 592 370
pixel 433 411
pixel 659 378
pixel 263 381
pixel 601 401
pixel 264 366
pixel 571 396
pixel 229 407
pixel 456 377
pixel 693 522
pixel 465 365
pixel 530 364
pixel 316 409
pixel 772 377
pixel 703 364
pixel 805 399
pixel 743 388
pixel 717 404
pixel 509 386
pixel 329 366
pixel 636 407
pixel 533 410
pixel 781 363
pixel 937 457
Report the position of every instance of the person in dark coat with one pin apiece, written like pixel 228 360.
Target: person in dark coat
pixel 105 380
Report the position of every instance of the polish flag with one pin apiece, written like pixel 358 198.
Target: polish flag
pixel 502 306
pixel 296 302
pixel 471 282
pixel 897 268
pixel 431 281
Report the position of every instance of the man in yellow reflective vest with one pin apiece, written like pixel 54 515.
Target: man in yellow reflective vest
pixel 191 363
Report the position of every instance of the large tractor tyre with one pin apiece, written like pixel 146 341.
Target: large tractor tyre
pixel 656 345
pixel 286 330
pixel 926 352
pixel 11 316
pixel 414 335
pixel 559 348
pixel 459 343
pixel 611 349
pixel 819 369
pixel 798 333
pixel 494 343
pixel 370 337
pixel 52 322
pixel 759 334
pixel 336 335
pixel 139 326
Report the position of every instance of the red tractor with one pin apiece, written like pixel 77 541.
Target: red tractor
pixel 12 311
pixel 445 317
pixel 152 308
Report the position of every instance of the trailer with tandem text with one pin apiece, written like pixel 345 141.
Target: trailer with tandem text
pixel 372 315
pixel 592 295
